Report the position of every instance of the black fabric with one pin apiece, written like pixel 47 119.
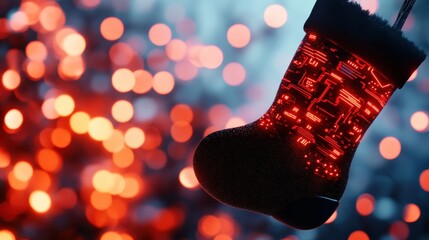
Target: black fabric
pixel 367 36
pixel 247 168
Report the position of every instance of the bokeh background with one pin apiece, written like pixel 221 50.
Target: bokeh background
pixel 102 103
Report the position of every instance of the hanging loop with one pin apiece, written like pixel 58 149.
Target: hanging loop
pixel 403 13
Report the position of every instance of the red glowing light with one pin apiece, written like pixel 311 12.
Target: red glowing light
pixel 143 81
pixel 238 35
pixel 365 204
pixel 413 76
pixel 40 201
pixel 275 16
pixel 209 226
pixel 71 67
pixel 100 201
pixel 52 17
pixel 100 128
pixel 317 103
pixel 6 235
pixel 134 137
pixel 420 121
pixel 35 70
pixel 79 122
pixel 112 28
pixel 4 28
pixel 49 160
pixel 60 137
pixel 332 218
pixel 73 44
pixel 370 5
pixel 36 51
pixel 160 34
pixel 211 57
pixel 181 131
pixel 235 122
pixel 13 119
pixel 187 178
pixel 390 148
pixel 181 112
pixel 411 213
pixel 11 79
pixel 115 142
pixel 133 187
pixel 358 235
pixel 121 54
pixel 123 158
pixel 156 159
pixel 111 235
pixel 67 198
pixel 176 50
pixel 32 10
pixel 123 80
pixel 163 82
pixel 399 230
pixel 424 180
pixel 234 74
pixel 19 21
pixel 89 3
pixel 185 70
pixel 40 181
pixel 4 158
pixel 122 111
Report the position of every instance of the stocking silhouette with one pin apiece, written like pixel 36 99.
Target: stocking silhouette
pixel 293 162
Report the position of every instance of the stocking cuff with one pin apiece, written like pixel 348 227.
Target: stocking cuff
pixel 367 36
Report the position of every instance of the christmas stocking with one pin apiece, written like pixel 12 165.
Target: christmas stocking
pixel 293 162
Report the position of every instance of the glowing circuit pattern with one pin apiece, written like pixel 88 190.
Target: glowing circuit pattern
pixel 327 100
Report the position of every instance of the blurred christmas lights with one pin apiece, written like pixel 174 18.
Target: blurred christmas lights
pixel 103 103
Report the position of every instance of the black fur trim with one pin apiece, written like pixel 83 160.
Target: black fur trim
pixel 367 36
